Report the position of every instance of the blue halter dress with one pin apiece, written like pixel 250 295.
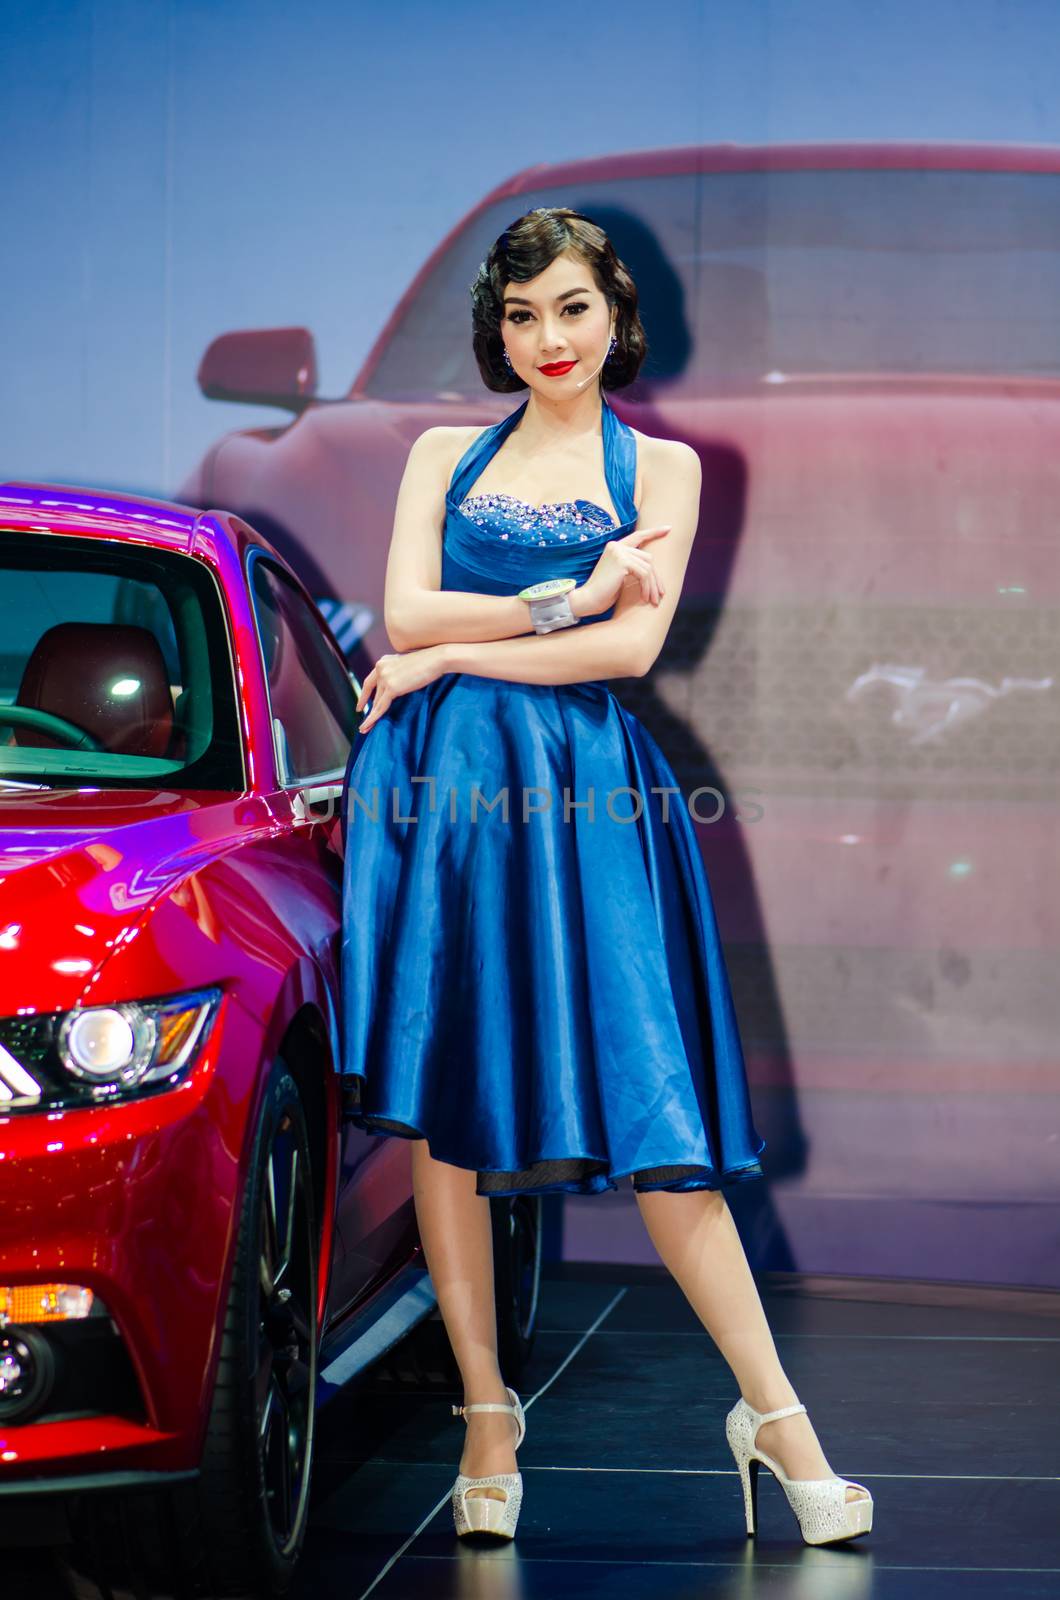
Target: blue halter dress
pixel 540 991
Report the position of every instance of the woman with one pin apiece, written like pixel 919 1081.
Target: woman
pixel 540 1002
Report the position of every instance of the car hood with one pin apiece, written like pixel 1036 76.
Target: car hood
pixel 79 870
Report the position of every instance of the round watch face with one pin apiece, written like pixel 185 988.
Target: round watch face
pixel 546 590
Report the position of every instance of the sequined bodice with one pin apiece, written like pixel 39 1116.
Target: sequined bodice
pixel 511 518
pixel 497 543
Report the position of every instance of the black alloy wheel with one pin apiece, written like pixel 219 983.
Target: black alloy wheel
pixel 517 1223
pixel 285 1374
pixel 257 1462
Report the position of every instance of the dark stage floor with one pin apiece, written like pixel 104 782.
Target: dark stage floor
pixel 943 1400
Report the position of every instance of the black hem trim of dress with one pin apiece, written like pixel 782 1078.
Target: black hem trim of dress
pixel 577 1174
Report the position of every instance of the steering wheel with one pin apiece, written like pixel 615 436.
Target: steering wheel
pixel 59 728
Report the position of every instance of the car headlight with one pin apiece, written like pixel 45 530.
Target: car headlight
pixel 97 1053
pixel 107 1043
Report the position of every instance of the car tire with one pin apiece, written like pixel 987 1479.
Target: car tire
pixel 238 1530
pixel 517 1223
pixel 256 1472
pixel 424 1358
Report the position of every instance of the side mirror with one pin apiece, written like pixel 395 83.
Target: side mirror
pixel 264 367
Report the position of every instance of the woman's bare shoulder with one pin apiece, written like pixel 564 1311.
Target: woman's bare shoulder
pixel 657 457
pixel 662 452
pixel 435 452
pixel 443 444
pixel 447 436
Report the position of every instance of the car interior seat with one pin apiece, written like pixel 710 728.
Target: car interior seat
pixel 109 679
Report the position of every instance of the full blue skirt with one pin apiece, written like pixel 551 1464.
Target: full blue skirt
pixel 542 996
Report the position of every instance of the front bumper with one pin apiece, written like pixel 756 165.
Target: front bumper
pixel 139 1203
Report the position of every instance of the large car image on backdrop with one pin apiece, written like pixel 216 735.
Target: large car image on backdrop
pixel 859 340
pixel 195 1249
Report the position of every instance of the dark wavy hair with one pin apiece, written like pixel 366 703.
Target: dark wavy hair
pixel 525 248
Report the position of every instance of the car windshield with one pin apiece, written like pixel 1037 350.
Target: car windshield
pixel 115 668
pixel 753 278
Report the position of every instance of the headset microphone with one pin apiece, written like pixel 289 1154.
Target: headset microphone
pixel 582 381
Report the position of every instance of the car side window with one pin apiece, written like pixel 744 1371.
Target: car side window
pixel 313 703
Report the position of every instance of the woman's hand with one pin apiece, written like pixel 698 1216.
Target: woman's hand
pixel 395 675
pixel 619 560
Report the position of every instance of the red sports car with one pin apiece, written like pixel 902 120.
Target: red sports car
pixel 195 1249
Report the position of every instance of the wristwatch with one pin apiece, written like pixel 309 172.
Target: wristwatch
pixel 549 605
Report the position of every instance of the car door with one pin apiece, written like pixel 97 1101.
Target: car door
pixel 312 704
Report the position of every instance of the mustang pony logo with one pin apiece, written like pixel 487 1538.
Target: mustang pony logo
pixel 930 709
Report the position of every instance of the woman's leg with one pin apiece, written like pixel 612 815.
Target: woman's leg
pixel 454 1227
pixel 695 1236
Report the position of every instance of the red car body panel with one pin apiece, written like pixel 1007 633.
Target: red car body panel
pixel 112 895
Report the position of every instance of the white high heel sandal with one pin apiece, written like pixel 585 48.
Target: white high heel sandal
pixel 484 1513
pixel 824 1513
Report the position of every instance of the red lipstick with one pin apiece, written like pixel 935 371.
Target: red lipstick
pixel 555 369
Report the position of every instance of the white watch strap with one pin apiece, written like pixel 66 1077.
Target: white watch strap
pixel 555 612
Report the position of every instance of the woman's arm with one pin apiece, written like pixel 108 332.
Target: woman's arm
pixel 568 655
pixel 627 644
pixel 416 610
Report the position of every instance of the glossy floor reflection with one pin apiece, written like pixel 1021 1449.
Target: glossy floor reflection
pixel 943 1400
